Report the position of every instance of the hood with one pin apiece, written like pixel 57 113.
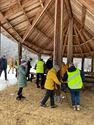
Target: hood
pixel 71 69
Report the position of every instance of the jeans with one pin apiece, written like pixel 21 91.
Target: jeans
pixel 75 96
pixel 40 75
pixel 49 93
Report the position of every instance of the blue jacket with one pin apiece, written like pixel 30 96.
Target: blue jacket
pixel 71 69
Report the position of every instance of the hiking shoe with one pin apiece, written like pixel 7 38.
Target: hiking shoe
pixel 18 98
pixel 43 105
pixel 54 106
pixel 78 107
pixel 74 108
pixel 23 97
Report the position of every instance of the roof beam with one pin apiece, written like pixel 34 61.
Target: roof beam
pixel 89 4
pixel 83 39
pixel 29 29
pixel 15 39
pixel 68 8
pixel 77 39
pixel 24 11
pixel 19 37
pixel 70 42
pixel 83 16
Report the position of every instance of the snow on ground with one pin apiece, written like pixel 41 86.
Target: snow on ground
pixel 12 80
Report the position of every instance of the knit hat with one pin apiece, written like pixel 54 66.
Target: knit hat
pixel 56 67
pixel 23 62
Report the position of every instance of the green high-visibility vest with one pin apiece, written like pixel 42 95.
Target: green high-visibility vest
pixel 40 67
pixel 75 80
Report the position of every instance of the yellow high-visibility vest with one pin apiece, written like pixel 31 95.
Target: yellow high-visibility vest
pixel 40 67
pixel 75 80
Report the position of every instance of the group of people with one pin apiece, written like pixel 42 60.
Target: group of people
pixel 57 78
pixel 51 77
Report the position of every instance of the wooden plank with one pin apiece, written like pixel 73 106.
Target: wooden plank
pixel 83 39
pixel 70 42
pixel 92 68
pixel 19 52
pixel 82 67
pixel 78 41
pixel 68 8
pixel 58 31
pixel 29 29
pixel 83 16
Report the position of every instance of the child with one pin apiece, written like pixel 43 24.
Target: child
pixel 50 84
pixel 21 79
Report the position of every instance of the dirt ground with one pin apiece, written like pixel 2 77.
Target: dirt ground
pixel 29 112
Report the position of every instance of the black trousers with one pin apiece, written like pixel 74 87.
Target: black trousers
pixel 20 92
pixel 5 72
pixel 28 74
pixel 40 81
pixel 49 93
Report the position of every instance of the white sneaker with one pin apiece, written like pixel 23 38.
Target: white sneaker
pixel 78 107
pixel 74 108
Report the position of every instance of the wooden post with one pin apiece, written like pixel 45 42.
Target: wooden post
pixel 70 42
pixel 92 68
pixel 19 52
pixel 83 64
pixel 58 31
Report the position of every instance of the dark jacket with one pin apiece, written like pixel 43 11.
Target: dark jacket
pixel 4 63
pixel 28 65
pixel 72 69
pixel 0 65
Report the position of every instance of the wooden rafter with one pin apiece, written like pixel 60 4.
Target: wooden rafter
pixel 70 41
pixel 15 39
pixel 83 16
pixel 41 3
pixel 83 39
pixel 88 4
pixel 29 29
pixel 65 42
pixel 68 8
pixel 77 39
pixel 24 11
pixel 20 38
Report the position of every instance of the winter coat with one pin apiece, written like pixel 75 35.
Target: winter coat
pixel 4 63
pixel 10 63
pixel 51 80
pixel 63 69
pixel 72 69
pixel 22 76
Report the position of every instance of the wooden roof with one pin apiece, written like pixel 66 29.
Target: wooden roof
pixel 31 22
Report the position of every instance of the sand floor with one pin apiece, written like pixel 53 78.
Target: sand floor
pixel 29 112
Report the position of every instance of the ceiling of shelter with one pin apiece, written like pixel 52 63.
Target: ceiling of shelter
pixel 31 22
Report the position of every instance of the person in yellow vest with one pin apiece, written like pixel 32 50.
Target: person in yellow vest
pixel 50 86
pixel 74 78
pixel 11 66
pixel 40 73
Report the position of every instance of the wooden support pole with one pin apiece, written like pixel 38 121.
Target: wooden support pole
pixel 19 52
pixel 82 64
pixel 92 68
pixel 58 32
pixel 70 42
